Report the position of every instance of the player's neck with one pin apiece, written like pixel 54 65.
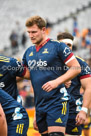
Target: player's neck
pixel 42 42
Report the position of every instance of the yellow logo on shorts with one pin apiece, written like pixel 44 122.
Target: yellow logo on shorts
pixel 75 129
pixel 19 128
pixel 64 109
pixel 59 120
pixel 85 126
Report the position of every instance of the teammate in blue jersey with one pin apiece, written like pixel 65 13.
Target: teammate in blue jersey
pixel 9 69
pixel 3 123
pixel 77 100
pixel 16 116
pixel 45 60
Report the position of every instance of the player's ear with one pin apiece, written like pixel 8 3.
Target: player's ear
pixel 44 29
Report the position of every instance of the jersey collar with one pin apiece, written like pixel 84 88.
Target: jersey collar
pixel 40 46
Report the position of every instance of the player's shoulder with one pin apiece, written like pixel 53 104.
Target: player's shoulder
pixel 7 59
pixel 4 59
pixel 54 41
pixel 83 63
pixel 58 44
pixel 81 60
pixel 31 48
pixel 13 59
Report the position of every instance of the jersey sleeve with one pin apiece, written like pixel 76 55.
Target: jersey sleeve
pixel 17 68
pixel 65 53
pixel 85 70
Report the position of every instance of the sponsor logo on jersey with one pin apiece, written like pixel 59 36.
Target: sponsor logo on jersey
pixel 59 120
pixel 33 63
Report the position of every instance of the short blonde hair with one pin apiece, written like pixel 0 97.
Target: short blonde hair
pixel 39 21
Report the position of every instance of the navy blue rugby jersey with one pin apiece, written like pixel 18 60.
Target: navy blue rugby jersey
pixel 46 63
pixel 9 69
pixel 74 89
pixel 13 110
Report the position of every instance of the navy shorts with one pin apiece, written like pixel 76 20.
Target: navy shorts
pixel 71 127
pixel 54 115
pixel 18 127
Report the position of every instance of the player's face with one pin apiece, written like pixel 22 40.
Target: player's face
pixel 68 44
pixel 36 35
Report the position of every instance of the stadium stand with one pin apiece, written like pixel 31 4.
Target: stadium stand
pixel 11 11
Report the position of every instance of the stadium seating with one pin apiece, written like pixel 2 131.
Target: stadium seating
pixel 20 10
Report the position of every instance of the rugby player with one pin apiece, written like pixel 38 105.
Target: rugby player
pixel 16 116
pixel 78 106
pixel 45 60
pixel 9 69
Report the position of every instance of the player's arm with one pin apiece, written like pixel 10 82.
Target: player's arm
pixel 88 119
pixel 26 73
pixel 25 76
pixel 3 124
pixel 34 122
pixel 18 70
pixel 86 85
pixel 74 70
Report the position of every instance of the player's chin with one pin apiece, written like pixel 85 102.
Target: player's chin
pixel 33 41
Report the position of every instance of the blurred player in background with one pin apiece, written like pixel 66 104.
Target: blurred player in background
pixel 16 116
pixel 9 69
pixel 3 123
pixel 78 107
pixel 44 61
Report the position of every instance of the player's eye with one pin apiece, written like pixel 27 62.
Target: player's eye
pixel 69 44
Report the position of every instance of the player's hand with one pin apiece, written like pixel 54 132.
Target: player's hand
pixel 34 122
pixel 50 85
pixel 68 84
pixel 35 125
pixel 81 117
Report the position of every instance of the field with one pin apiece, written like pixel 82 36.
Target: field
pixel 31 131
